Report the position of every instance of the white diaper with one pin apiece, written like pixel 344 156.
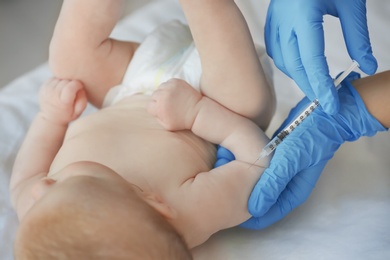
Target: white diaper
pixel 168 52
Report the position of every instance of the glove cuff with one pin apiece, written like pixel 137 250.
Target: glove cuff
pixel 369 125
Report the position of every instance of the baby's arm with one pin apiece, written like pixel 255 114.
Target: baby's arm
pixel 178 106
pixel 81 49
pixel 61 101
pixel 232 73
pixel 227 188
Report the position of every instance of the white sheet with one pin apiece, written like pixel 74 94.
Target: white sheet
pixel 346 216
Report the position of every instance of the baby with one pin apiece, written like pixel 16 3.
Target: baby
pixel 134 180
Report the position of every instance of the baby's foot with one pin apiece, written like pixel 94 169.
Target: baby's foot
pixel 174 104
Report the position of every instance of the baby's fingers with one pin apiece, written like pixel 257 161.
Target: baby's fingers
pixel 80 103
pixel 68 90
pixel 48 88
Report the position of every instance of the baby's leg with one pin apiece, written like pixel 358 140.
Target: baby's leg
pixel 232 73
pixel 81 48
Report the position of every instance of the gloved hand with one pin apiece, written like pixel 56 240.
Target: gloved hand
pixel 300 159
pixel 223 156
pixel 294 39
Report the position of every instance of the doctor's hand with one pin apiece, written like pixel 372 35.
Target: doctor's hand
pixel 300 158
pixel 294 39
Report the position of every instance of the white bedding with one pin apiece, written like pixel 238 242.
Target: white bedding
pixel 346 216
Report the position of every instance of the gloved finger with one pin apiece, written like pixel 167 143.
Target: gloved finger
pixel 220 162
pixel 293 62
pixel 224 156
pixel 273 181
pixel 222 152
pixel 267 191
pixel 272 41
pixel 355 30
pixel 295 193
pixel 294 154
pixel 268 32
pixel 270 23
pixel 311 47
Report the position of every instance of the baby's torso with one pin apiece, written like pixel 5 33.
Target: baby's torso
pixel 125 138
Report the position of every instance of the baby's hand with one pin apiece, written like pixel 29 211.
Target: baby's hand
pixel 62 101
pixel 174 104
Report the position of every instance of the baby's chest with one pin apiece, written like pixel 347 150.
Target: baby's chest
pixel 162 158
pixel 138 147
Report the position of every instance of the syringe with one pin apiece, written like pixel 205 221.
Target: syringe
pixel 277 140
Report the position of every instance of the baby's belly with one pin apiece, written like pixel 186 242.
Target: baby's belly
pixel 131 142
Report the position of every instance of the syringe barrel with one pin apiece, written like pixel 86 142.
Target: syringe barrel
pixel 305 113
pixel 271 146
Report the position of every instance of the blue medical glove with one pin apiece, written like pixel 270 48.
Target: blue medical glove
pixel 294 39
pixel 300 159
pixel 223 156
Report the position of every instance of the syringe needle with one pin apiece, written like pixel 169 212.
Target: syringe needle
pixel 261 156
pixel 253 163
